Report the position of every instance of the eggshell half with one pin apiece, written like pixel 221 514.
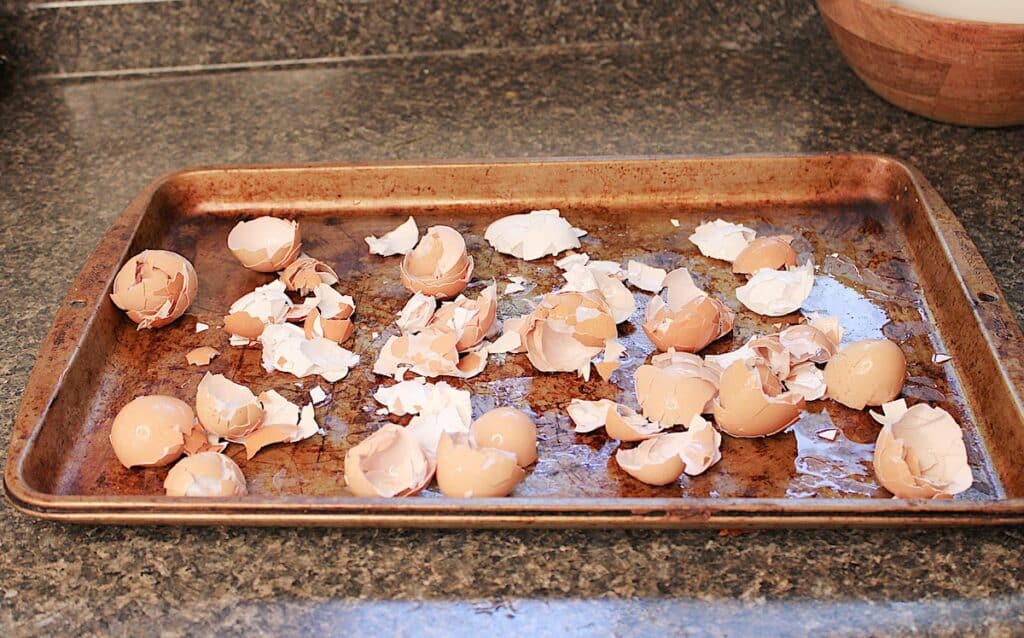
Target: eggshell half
pixel 265 244
pixel 387 463
pixel 869 372
pixel 305 274
pixel 226 408
pixel 744 410
pixel 673 389
pixel 205 474
pixel 155 287
pixel 150 430
pixel 774 253
pixel 439 265
pixel 510 430
pixel 467 471
pixel 690 320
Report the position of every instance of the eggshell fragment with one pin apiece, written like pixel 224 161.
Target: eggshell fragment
pixel 470 320
pixel 619 421
pixel 286 349
pixel 467 471
pixel 920 453
pixel 690 320
pixel 770 350
pixel 251 313
pixel 265 244
pixel 743 408
pixel 773 253
pixel 387 463
pixel 226 408
pixel 397 242
pixel 284 422
pixel 663 459
pixel 444 410
pixel 869 372
pixel 331 317
pixel 510 430
pixel 533 235
pixel 675 387
pixel 721 239
pixel 809 342
pixel 566 331
pixel 439 265
pixel 807 380
pixel 201 356
pixel 774 293
pixel 150 431
pixel 201 327
pixel 305 274
pixel 155 287
pixel 432 352
pixel 645 277
pixel 405 397
pixel 416 313
pixel 205 474
pixel 602 280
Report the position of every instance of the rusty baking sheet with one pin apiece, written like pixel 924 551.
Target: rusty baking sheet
pixel 893 260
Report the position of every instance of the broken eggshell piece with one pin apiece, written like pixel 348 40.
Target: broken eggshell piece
pixel 396 242
pixel 815 341
pixel 690 320
pixel 748 407
pixel 566 331
pixel 416 313
pixel 225 408
pixel 645 277
pixel 663 459
pixel 286 349
pixel 284 422
pixel 465 470
pixel 388 463
pixel 305 274
pixel 150 431
pixel 774 293
pixel 920 452
pixel 439 265
pixel 205 474
pixel 432 352
pixel 265 244
pixel 774 253
pixel 470 320
pixel 251 313
pixel 868 372
pixel 721 239
pixel 155 287
pixel 201 356
pixel 675 387
pixel 510 430
pixel 331 317
pixel 619 421
pixel 533 235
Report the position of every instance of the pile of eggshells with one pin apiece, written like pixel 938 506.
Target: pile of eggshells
pixel 758 390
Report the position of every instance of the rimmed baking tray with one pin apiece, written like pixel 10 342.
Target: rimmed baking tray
pixel 893 261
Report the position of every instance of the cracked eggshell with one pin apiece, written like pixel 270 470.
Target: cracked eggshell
pixel 510 430
pixel 205 474
pixel 806 342
pixel 774 253
pixel 305 274
pixel 330 318
pixel 265 244
pixel 251 313
pixel 921 453
pixel 774 293
pixel 439 265
pixel 155 287
pixel 396 242
pixel 619 421
pixel 868 372
pixel 690 320
pixel 225 408
pixel 721 239
pixel 743 409
pixel 645 277
pixel 808 380
pixel 467 471
pixel 286 349
pixel 150 431
pixel 675 387
pixel 431 353
pixel 769 349
pixel 201 356
pixel 388 463
pixel 566 331
pixel 663 459
pixel 416 313
pixel 533 235
pixel 470 319
pixel 284 422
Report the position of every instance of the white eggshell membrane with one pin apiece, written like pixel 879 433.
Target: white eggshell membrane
pixel 645 277
pixel 533 235
pixel 397 242
pixel 286 349
pixel 721 239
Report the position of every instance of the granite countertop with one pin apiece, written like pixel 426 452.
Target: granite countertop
pixel 72 154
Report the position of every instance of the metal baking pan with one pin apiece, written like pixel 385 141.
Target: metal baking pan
pixel 893 260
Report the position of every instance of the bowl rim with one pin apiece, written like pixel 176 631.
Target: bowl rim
pixel 888 5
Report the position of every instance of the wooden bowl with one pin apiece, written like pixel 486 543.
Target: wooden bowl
pixel 945 69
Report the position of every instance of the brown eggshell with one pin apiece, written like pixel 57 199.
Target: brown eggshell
pixel 922 455
pixel 698 323
pixel 201 356
pixel 388 463
pixel 674 394
pixel 474 331
pixel 205 474
pixel 155 287
pixel 744 410
pixel 243 324
pixel 646 463
pixel 465 471
pixel 510 430
pixel 439 265
pixel 265 244
pixel 225 408
pixel 773 253
pixel 305 273
pixel 337 330
pixel 807 343
pixel 566 331
pixel 869 372
pixel 150 431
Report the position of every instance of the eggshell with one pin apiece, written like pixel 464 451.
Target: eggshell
pixel 205 474
pixel 330 318
pixel 675 387
pixel 150 430
pixel 744 410
pixel 619 421
pixel 225 408
pixel 774 293
pixel 397 242
pixel 416 313
pixel 806 342
pixel 439 265
pixel 770 349
pixel 252 312
pixel 602 280
pixel 284 422
pixel 690 320
pixel 432 352
pixel 201 356
pixel 566 331
pixel 286 349
pixel 305 274
pixel 467 471
pixel 470 320
pixel 663 459
pixel 446 410
pixel 265 244
pixel 808 380
pixel 645 277
pixel 774 253
pixel 533 235
pixel 869 372
pixel 387 463
pixel 510 430
pixel 721 239
pixel 155 287
pixel 920 453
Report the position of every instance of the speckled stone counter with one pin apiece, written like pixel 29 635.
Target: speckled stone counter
pixel 71 155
